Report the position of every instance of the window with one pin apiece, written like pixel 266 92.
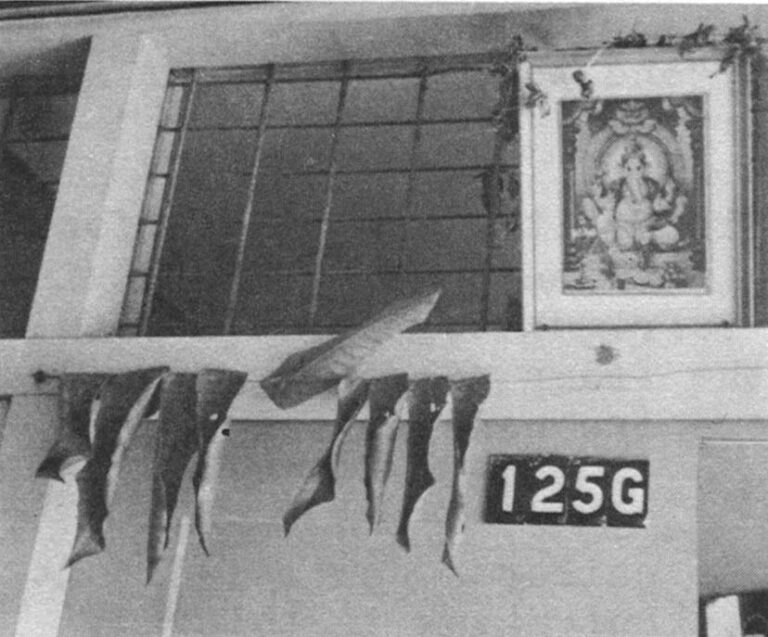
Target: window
pixel 300 198
pixel 36 115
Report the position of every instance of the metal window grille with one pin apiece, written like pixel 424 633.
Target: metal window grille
pixel 298 198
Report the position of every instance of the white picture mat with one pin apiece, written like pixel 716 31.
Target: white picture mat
pixel 543 205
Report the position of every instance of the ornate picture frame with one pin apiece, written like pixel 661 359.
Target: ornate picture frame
pixel 636 207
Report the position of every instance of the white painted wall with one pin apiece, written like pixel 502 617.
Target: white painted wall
pixel 329 577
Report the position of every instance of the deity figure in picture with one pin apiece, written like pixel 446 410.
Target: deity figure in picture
pixel 632 227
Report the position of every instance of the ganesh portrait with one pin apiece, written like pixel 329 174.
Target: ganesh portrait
pixel 634 200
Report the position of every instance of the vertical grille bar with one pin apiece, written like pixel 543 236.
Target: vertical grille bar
pixel 165 211
pixel 411 184
pixel 13 103
pixel 328 195
pixel 229 317
pixel 494 210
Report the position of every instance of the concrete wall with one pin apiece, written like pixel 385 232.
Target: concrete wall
pixel 28 431
pixel 329 577
pixel 533 578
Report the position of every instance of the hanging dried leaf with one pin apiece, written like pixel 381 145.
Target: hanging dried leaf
pixel 585 84
pixel 633 40
pixel 125 399
pixel 175 445
pixel 506 67
pixel 426 400
pixel 467 396
pixel 492 187
pixel 313 371
pixel 320 484
pixel 205 480
pixel 701 37
pixel 741 41
pixel 216 389
pixel 536 97
pixel 380 440
pixel 76 395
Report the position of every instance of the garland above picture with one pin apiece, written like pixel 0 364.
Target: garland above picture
pixel 740 42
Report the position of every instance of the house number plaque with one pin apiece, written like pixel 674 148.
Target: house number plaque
pixel 570 490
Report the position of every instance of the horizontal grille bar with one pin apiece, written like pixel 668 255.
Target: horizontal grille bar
pixel 331 273
pixel 385 171
pixel 373 171
pixel 331 125
pixel 389 68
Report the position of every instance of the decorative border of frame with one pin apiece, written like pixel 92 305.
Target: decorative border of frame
pixel 730 233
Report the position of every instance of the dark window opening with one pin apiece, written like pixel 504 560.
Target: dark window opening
pixel 302 198
pixel 36 114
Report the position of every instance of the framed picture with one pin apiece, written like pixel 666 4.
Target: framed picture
pixel 636 198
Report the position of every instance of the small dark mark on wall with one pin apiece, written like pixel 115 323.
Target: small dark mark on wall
pixel 605 354
pixel 41 377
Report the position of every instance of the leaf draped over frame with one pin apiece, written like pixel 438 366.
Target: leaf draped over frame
pixel 124 400
pixel 77 393
pixel 317 369
pixel 380 440
pixel 426 399
pixel 320 483
pixel 216 389
pixel 467 395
